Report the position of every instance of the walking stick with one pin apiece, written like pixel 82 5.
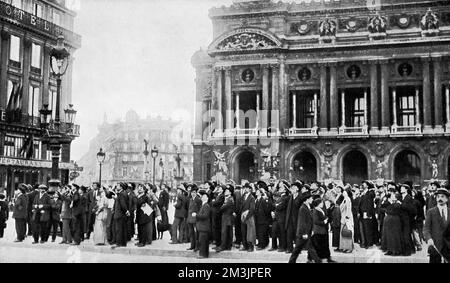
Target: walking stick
pixel 445 260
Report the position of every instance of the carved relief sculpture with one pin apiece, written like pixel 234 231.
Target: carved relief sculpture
pixel 434 169
pixel 380 169
pixel 246 41
pixel 429 21
pixel 377 24
pixel 220 163
pixel 327 170
pixel 327 28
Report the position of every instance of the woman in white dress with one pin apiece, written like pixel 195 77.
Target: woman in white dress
pixel 100 219
pixel 346 241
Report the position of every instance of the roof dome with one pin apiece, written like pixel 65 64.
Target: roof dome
pixel 131 117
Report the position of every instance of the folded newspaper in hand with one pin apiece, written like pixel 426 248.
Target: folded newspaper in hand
pixel 147 209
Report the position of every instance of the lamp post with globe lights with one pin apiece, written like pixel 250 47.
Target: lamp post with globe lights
pixel 154 153
pixel 100 158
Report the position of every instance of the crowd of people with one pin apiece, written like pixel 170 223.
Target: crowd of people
pixel 284 217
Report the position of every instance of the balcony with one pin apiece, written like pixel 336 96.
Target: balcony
pixel 415 130
pixel 302 133
pixel 354 131
pixel 18 118
pixel 20 17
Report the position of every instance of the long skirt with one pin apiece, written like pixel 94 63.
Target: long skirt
pixel 321 243
pixel 392 234
pixel 100 229
pixel 345 244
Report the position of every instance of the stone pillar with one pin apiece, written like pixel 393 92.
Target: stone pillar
pixel 258 108
pixel 365 109
pixel 4 47
pixel 265 97
pixel 26 74
pixel 438 111
pixel 316 113
pixel 385 106
pixel 294 110
pixel 198 107
pixel 46 75
pixel 374 118
pixel 417 107
pixel 275 120
pixel 394 106
pixel 426 95
pixel 334 101
pixel 343 109
pixel 283 97
pixel 228 98
pixel 447 106
pixel 323 99
pixel 238 106
pixel 219 99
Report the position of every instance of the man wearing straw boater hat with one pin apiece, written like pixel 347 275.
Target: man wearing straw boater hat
pixel 436 223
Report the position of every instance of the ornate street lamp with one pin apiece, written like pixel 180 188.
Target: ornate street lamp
pixel 53 136
pixel 154 153
pixel 146 153
pixel 161 164
pixel 100 158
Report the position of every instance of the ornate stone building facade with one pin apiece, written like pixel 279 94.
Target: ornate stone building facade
pixel 339 90
pixel 123 142
pixel 29 31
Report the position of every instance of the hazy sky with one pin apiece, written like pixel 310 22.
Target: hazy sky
pixel 136 54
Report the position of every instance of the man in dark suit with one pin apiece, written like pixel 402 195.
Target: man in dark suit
pixel 262 219
pixel 4 214
pixel 237 216
pixel 304 230
pixel 216 204
pixel 77 207
pixel 180 215
pixel 248 228
pixel 91 203
pixel 121 212
pixel 85 212
pixel 227 210
pixel 407 215
pixel 295 201
pixel 366 213
pixel 20 213
pixel 203 223
pixel 55 215
pixel 431 198
pixel 132 203
pixel 195 203
pixel 279 228
pixel 436 223
pixel 31 195
pixel 41 215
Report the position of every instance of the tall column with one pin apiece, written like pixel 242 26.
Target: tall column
pixel 198 107
pixel 417 107
pixel 46 75
pixel 275 120
pixel 385 106
pixel 365 108
pixel 394 106
pixel 258 108
pixel 228 99
pixel 265 97
pixel 374 118
pixel 4 47
pixel 26 74
pixel 438 111
pixel 294 110
pixel 323 99
pixel 426 95
pixel 315 111
pixel 283 97
pixel 238 108
pixel 343 108
pixel 334 101
pixel 219 99
pixel 447 105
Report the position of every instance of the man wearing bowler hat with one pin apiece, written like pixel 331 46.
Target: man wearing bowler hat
pixel 203 223
pixel 20 213
pixel 436 223
pixel 195 203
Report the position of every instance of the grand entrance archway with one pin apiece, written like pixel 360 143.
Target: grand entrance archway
pixel 244 168
pixel 407 167
pixel 355 167
pixel 304 167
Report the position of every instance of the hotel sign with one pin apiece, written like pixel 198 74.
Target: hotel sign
pixel 29 20
pixel 2 115
pixel 8 161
